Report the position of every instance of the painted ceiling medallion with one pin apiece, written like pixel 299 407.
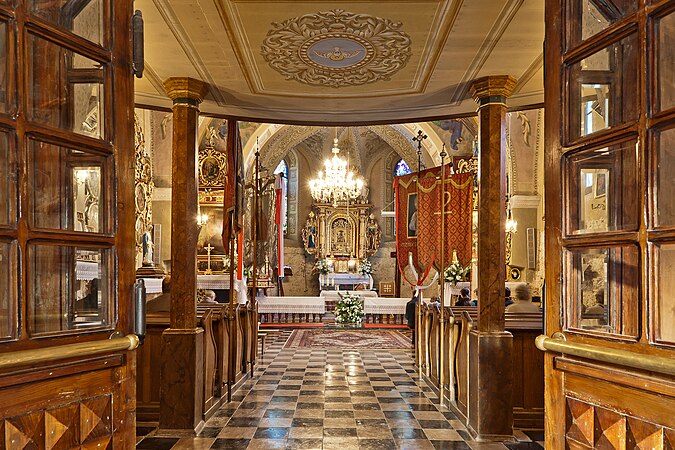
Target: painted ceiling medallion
pixel 336 48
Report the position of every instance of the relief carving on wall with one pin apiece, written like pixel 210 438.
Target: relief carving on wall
pixel 336 48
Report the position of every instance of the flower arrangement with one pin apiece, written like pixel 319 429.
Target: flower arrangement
pixel 455 273
pixel 365 267
pixel 226 262
pixel 322 267
pixel 349 309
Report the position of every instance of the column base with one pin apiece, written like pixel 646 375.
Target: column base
pixel 490 413
pixel 181 396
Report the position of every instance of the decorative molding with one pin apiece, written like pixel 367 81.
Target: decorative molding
pixel 492 86
pixel 491 40
pixel 530 72
pixel 173 22
pixel 336 48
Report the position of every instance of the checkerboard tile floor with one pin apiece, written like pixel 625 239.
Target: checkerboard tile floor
pixel 304 398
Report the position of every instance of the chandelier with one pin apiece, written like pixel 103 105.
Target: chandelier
pixel 336 183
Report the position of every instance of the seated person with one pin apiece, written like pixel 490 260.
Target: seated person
pixel 474 302
pixel 161 303
pixel 464 299
pixel 523 303
pixel 209 297
pixel 507 297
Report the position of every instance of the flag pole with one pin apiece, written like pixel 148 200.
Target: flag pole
pixel 441 359
pixel 418 325
pixel 231 311
pixel 256 193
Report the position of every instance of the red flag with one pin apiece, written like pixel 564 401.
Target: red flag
pixel 280 215
pixel 233 191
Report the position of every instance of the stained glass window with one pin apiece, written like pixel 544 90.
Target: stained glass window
pixel 402 169
pixel 283 168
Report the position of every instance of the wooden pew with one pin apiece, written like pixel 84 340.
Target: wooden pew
pixel 528 364
pixel 149 363
pixel 221 335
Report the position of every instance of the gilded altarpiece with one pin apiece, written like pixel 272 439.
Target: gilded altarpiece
pixel 341 232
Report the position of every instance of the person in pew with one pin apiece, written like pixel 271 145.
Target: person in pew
pixel 161 303
pixel 523 303
pixel 209 297
pixel 507 297
pixel 464 299
pixel 410 314
pixel 474 302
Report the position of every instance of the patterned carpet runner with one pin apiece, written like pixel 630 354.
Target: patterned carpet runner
pixel 324 338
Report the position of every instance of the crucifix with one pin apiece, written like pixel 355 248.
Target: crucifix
pixel 208 248
pixel 419 138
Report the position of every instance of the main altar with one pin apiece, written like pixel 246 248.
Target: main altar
pixel 343 234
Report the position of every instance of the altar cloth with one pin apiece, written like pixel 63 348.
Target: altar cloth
pixel 301 305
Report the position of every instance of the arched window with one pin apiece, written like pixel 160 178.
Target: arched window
pixel 401 169
pixel 283 168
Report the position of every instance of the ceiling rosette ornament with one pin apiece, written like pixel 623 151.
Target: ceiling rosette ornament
pixel 336 48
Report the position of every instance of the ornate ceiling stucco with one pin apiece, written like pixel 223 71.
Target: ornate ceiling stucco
pixel 336 48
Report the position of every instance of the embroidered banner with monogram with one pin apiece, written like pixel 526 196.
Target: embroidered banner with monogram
pixel 458 206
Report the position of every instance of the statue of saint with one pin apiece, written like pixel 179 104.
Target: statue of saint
pixel 373 233
pixel 148 247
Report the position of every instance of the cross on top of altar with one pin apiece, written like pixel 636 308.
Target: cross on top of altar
pixel 208 249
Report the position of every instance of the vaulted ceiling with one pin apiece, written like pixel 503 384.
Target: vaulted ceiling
pixel 341 61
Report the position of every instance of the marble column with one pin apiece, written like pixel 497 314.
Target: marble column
pixel 490 346
pixel 181 371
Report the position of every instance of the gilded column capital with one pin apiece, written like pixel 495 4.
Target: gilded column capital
pixel 185 90
pixel 492 89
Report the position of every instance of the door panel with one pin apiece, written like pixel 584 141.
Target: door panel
pixel 66 225
pixel 609 215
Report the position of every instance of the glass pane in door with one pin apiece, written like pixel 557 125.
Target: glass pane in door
pixel 665 183
pixel 68 189
pixel 66 89
pixel 602 290
pixel 603 189
pixel 8 290
pixel 589 17
pixel 603 88
pixel 664 311
pixel 84 18
pixel 665 60
pixel 8 182
pixel 4 67
pixel 69 288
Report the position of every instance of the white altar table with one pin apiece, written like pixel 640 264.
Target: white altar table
pixel 213 281
pixel 340 279
pixel 298 305
pixel 384 305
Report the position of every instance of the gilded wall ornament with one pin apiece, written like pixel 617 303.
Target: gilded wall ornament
pixel 143 185
pixel 336 48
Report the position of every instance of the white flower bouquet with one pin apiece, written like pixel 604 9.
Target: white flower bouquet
pixel 455 273
pixel 349 309
pixel 365 267
pixel 322 267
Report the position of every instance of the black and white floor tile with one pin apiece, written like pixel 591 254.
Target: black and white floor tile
pixel 305 398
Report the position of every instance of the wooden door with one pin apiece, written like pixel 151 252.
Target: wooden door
pixel 610 224
pixel 66 225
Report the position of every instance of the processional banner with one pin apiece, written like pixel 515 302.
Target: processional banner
pixel 458 205
pixel 405 189
pixel 233 195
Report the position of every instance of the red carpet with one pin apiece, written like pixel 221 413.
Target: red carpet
pixel 331 338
